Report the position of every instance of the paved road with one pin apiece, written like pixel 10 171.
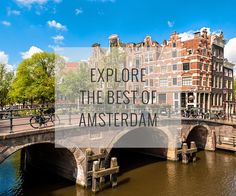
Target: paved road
pixel 22 124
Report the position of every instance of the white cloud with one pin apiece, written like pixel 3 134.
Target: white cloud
pixel 4 60
pixel 207 28
pixel 58 39
pixel 30 2
pixel 54 47
pixel 190 34
pixel 11 12
pixel 170 24
pixel 6 23
pixel 65 58
pixel 56 25
pixel 186 35
pixel 33 50
pixel 230 50
pixel 78 11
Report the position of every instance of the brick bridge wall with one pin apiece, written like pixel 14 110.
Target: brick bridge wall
pixel 13 142
pixel 210 130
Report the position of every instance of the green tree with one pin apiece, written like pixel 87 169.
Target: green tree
pixel 35 80
pixel 5 82
pixel 73 81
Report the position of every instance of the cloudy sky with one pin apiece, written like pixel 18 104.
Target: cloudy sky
pixel 30 26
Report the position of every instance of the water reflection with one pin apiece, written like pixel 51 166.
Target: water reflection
pixel 212 174
pixel 11 178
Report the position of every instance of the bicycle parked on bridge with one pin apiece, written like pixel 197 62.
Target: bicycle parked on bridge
pixel 44 117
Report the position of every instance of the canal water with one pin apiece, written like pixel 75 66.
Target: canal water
pixel 214 173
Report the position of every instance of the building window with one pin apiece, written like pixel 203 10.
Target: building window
pixel 214 66
pixel 137 62
pixel 174 81
pixel 146 70
pixel 174 67
pixel 176 96
pixel 174 53
pixel 207 80
pixel 216 82
pixel 151 82
pixel 174 45
pixel 207 66
pixel 150 69
pixel 163 82
pixel 230 85
pixel 226 72
pixel 163 69
pixel 190 51
pixel 187 81
pixel 200 66
pixel 158 55
pixel 217 66
pixel 186 66
pixel 162 98
pixel 148 57
pixel 176 104
pixel 204 52
pixel 221 68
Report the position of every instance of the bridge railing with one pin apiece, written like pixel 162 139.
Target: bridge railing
pixel 13 118
pixel 19 119
pixel 10 118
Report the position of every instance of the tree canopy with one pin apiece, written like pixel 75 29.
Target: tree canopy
pixel 35 80
pixel 6 77
pixel 73 81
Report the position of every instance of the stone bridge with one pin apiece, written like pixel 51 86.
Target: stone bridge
pixel 69 161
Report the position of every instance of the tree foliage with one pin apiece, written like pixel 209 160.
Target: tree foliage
pixel 35 80
pixel 73 81
pixel 5 83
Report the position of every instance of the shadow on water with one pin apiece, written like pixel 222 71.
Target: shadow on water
pixel 16 181
pixel 140 175
pixel 133 158
pixel 40 182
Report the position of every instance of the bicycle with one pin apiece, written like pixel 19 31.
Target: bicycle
pixel 43 118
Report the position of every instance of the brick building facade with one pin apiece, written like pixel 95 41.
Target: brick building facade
pixel 185 74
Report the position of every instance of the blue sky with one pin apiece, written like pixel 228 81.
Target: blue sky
pixel 79 23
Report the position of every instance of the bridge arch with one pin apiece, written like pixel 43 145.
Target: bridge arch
pixel 199 134
pixel 71 163
pixel 149 140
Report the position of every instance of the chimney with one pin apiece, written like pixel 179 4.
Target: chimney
pixel 114 40
pixel 197 34
pixel 96 45
pixel 165 43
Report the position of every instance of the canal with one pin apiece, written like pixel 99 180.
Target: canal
pixel 214 173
